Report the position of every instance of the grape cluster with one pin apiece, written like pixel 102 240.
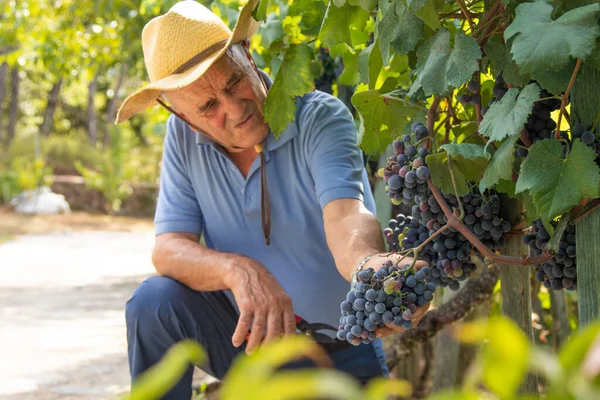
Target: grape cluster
pixel 452 251
pixel 579 131
pixel 325 81
pixel 473 97
pixel 406 173
pixel 498 91
pixel 389 295
pixel 540 124
pixel 561 270
pixel 395 232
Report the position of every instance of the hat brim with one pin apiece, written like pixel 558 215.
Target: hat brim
pixel 146 97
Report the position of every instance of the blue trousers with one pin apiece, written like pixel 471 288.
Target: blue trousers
pixel 162 312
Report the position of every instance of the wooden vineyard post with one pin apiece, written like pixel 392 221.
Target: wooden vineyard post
pixel 585 106
pixel 516 287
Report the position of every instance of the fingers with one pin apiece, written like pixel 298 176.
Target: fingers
pixel 257 334
pixel 385 331
pixel 243 326
pixel 289 322
pixel 274 327
pixel 391 328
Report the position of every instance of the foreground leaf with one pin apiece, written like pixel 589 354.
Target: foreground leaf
pixel 541 44
pixel 382 388
pixel 160 378
pixel 505 354
pixel 294 78
pixel 251 374
pixel 382 119
pixel 309 384
pixel 507 116
pixel 556 183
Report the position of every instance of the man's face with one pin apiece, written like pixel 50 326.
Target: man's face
pixel 226 102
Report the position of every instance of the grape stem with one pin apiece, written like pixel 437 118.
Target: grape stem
pixel 565 97
pixel 457 224
pixel 464 10
pixel 417 249
pixel 431 114
pixel 489 16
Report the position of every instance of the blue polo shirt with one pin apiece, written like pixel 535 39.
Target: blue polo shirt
pixel 315 161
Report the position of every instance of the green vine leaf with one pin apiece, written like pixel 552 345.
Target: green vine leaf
pixel 294 78
pixel 556 183
pixel 502 63
pixel 439 67
pixel 427 13
pixel 467 150
pixel 540 43
pixel 367 5
pixel 382 119
pixel 501 165
pixel 369 65
pixel 416 5
pixel 440 174
pixel 260 12
pixel 410 30
pixel 506 117
pixel 340 21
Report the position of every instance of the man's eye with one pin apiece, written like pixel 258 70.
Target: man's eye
pixel 235 84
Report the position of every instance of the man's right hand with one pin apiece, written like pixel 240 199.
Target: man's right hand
pixel 263 304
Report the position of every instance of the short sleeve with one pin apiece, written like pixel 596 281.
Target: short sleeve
pixel 177 209
pixel 333 155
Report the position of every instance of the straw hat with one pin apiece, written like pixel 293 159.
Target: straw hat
pixel 180 46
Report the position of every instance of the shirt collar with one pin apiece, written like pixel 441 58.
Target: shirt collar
pixel 270 143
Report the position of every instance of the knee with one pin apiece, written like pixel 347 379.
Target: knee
pixel 153 295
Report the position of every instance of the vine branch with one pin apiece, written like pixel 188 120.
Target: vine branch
pixel 464 10
pixel 476 291
pixel 457 224
pixel 565 97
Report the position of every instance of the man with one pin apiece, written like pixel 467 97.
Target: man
pixel 219 155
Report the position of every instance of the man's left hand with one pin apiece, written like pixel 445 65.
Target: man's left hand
pixel 390 328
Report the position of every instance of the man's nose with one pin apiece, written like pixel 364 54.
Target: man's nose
pixel 235 109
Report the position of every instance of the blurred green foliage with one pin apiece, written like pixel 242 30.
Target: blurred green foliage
pixel 504 357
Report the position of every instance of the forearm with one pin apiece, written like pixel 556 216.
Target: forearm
pixel 196 266
pixel 352 238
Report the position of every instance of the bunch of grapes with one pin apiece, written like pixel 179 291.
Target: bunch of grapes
pixel 389 295
pixel 473 97
pixel 540 124
pixel 498 91
pixel 561 270
pixel 452 249
pixel 395 232
pixel 328 77
pixel 406 173
pixel 588 137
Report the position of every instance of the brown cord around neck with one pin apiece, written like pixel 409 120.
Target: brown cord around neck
pixel 265 205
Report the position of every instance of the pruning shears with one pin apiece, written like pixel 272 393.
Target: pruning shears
pixel 310 329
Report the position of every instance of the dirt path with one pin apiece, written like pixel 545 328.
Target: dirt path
pixel 63 290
